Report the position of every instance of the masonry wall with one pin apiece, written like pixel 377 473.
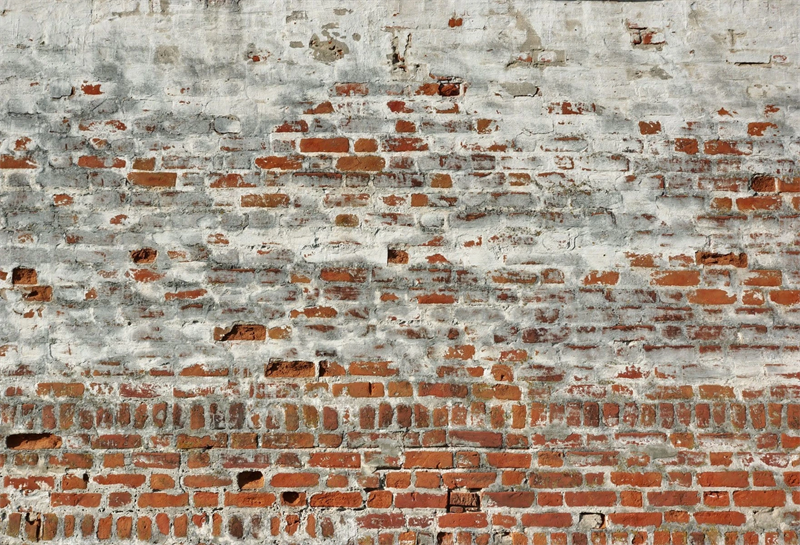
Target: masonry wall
pixel 412 272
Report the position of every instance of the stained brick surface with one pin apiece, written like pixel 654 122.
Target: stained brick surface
pixel 378 273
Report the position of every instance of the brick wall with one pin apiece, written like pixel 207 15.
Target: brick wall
pixel 373 273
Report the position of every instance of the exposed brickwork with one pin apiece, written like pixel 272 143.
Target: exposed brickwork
pixel 445 273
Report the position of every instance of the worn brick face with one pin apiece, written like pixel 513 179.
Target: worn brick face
pixel 429 273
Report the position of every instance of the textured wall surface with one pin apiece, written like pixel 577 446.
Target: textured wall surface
pixel 413 272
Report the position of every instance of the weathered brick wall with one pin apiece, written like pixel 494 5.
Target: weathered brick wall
pixel 373 273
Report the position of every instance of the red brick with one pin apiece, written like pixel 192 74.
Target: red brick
pixel 361 163
pixel 365 145
pixel 714 391
pixel 442 390
pixel 265 200
pixel 723 479
pixel 686 145
pixel 580 499
pixel 10 162
pixel 420 500
pixel 428 460
pixel 757 128
pixel 463 520
pixel 352 89
pixel 484 439
pixel 294 480
pixel 92 161
pixel 770 202
pixel 33 441
pixel 546 520
pixel 163 500
pixel 676 278
pixel 116 442
pixel 635 519
pixel 29 483
pixel 279 163
pixel 241 332
pixel 720 518
pixel 469 480
pixel 382 521
pixel 153 179
pixel 402 144
pixel 122 479
pixel 508 459
pixel 249 499
pixel 554 479
pixel 759 498
pixel 156 460
pixel 205 481
pixel 75 500
pixel 672 498
pixel 324 145
pixel 719 259
pixel 337 499
pixel 287 440
pixel 335 459
pixel 21 276
pixel 711 297
pixel 290 369
pixel 724 147
pixel 636 479
pixel 785 297
pixel 510 499
pixel 649 127
pixel 605 278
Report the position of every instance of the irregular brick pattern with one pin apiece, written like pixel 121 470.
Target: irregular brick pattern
pixel 445 273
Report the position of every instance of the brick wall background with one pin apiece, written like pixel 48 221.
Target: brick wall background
pixel 411 272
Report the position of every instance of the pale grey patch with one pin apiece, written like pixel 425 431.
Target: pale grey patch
pixel 166 54
pixel 329 50
pixel 60 161
pixel 660 73
pixel 21 106
pixel 252 52
pixel 660 451
pixel 654 72
pixel 234 4
pixel 767 518
pixel 592 520
pixel 60 89
pixel 401 48
pixel 532 40
pixel 520 89
pixel 227 124
pixel 532 52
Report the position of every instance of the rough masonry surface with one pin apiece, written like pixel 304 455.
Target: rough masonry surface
pixel 400 272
